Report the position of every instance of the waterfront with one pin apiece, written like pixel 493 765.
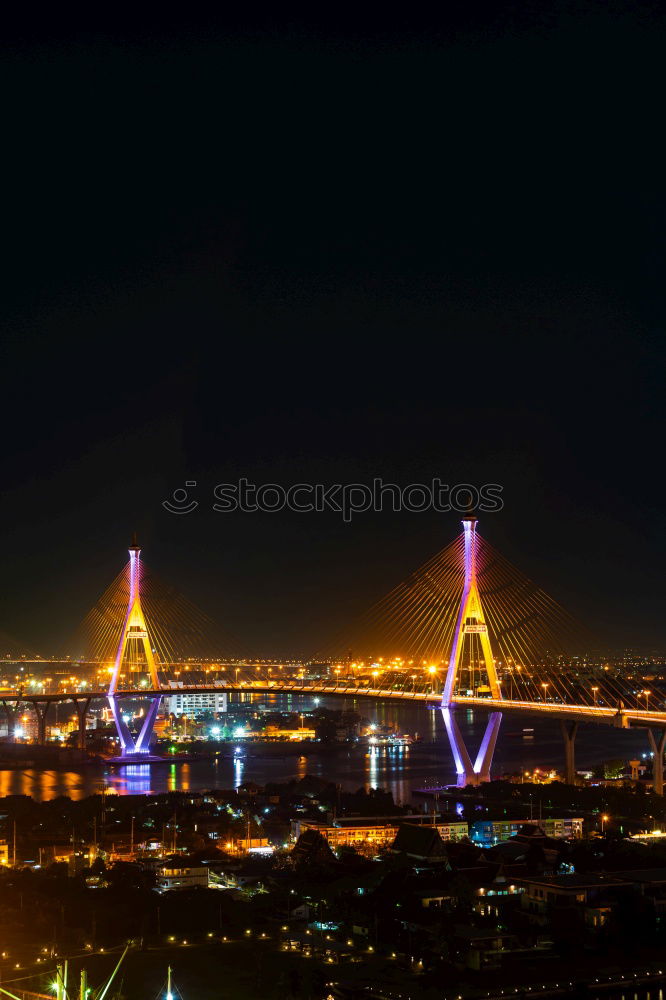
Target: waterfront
pixel 401 770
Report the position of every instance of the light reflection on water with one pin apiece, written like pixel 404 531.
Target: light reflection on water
pixel 239 765
pixel 637 995
pixel 400 770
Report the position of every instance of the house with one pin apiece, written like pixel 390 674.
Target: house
pixel 434 897
pixel 561 896
pixel 181 876
pixel 312 848
pixel 530 845
pixel 422 843
pixel 481 947
pixel 650 883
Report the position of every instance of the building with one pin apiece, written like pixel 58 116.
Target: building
pixel 272 732
pixel 482 948
pixel 249 845
pixel 649 837
pixel 183 877
pixel 312 847
pixel 375 832
pixel 196 703
pixel 488 832
pixel 650 883
pixel 421 843
pixel 566 896
pixel 4 852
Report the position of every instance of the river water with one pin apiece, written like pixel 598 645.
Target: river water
pixel 426 764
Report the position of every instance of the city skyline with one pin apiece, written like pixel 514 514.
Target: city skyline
pixel 347 328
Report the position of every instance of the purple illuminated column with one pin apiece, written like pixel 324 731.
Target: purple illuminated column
pixel 469 530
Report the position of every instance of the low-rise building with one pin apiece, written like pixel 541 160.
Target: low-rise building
pixel 487 832
pixel 195 703
pixel 591 895
pixel 650 883
pixel 272 732
pixel 375 832
pixel 182 877
pixel 482 947
pixel 242 845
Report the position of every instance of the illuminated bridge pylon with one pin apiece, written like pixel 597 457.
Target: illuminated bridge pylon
pixel 134 636
pixel 470 623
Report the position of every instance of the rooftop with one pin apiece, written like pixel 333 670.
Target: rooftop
pixel 644 875
pixel 419 842
pixel 421 819
pixel 590 881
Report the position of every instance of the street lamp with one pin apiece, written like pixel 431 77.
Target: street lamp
pixel 646 695
pixel 604 820
pixel 594 695
pixel 545 687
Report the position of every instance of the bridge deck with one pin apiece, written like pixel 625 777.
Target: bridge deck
pixel 621 718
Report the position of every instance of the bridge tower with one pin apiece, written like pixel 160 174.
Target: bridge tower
pixel 134 637
pixel 470 622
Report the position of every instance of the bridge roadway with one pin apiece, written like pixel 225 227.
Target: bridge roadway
pixel 622 718
pixel 569 716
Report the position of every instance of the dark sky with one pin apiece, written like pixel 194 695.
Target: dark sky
pixel 298 251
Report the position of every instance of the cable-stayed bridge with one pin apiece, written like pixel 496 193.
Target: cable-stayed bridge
pixel 384 689
pixel 466 612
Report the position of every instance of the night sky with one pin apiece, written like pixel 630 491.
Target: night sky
pixel 293 251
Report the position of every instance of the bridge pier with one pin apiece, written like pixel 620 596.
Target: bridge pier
pixel 40 712
pixel 131 747
pixel 11 713
pixel 569 730
pixel 479 771
pixel 657 743
pixel 82 705
pixel 142 744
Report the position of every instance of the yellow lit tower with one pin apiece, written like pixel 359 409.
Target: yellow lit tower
pixel 134 642
pixel 470 624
